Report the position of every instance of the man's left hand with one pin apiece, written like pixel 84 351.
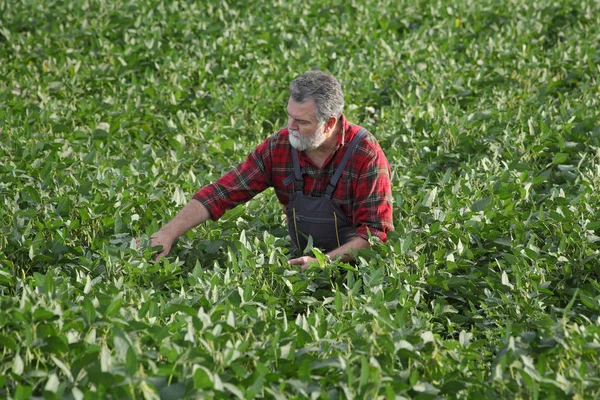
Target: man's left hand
pixel 304 262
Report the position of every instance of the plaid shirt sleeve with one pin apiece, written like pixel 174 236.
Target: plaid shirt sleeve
pixel 373 193
pixel 240 184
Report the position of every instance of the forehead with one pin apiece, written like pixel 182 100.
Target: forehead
pixel 304 110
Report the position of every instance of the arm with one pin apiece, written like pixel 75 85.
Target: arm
pixel 345 251
pixel 210 202
pixel 373 195
pixel 194 213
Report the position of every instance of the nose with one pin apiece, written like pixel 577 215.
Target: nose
pixel 292 124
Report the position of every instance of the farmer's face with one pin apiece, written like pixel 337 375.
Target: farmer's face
pixel 306 132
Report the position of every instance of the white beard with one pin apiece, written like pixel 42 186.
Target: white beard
pixel 303 143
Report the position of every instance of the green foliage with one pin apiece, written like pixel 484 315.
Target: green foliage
pixel 112 114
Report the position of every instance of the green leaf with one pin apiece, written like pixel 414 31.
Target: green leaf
pixel 453 387
pixel 425 387
pixel 49 285
pixel 593 225
pixel 481 204
pixel 105 360
pixel 571 303
pixel 338 301
pixel 429 198
pixel 456 281
pixel 560 158
pixel 18 365
pixel 41 314
pixel 100 134
pixel 8 342
pixel 23 392
pixel 299 287
pixel 234 390
pixel 55 86
pixel 52 383
pixel 203 378
pixel 589 302
pixel 149 391
pixel 173 308
pixel 131 361
pixel 333 362
pixel 55 344
pixel 364 372
pixel 173 392
pixel 465 338
pixel 320 257
pixel 406 243
pixel 114 307
pixel 64 206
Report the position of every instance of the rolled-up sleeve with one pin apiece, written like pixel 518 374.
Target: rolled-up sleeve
pixel 373 196
pixel 238 185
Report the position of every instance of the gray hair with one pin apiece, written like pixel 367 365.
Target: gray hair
pixel 324 89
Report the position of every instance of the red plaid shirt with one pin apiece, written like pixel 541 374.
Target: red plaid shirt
pixel 363 192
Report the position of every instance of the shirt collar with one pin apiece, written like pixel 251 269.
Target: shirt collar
pixel 341 140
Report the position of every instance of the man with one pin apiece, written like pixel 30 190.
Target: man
pixel 331 177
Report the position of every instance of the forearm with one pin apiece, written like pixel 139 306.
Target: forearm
pixel 345 251
pixel 194 213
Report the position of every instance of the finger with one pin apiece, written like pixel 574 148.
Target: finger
pixel 296 261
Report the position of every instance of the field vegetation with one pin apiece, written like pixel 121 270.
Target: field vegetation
pixel 113 113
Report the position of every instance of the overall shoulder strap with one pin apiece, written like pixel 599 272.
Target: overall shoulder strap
pixel 298 178
pixel 338 172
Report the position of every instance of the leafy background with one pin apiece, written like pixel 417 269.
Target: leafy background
pixel 112 114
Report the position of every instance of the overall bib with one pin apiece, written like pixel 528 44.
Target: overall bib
pixel 319 217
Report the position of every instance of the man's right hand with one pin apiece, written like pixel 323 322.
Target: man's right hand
pixel 159 239
pixel 164 240
pixel 194 213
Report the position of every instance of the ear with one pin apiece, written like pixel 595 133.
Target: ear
pixel 330 124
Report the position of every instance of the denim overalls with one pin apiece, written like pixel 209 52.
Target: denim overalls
pixel 319 217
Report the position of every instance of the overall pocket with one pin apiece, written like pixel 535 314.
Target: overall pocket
pixel 315 220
